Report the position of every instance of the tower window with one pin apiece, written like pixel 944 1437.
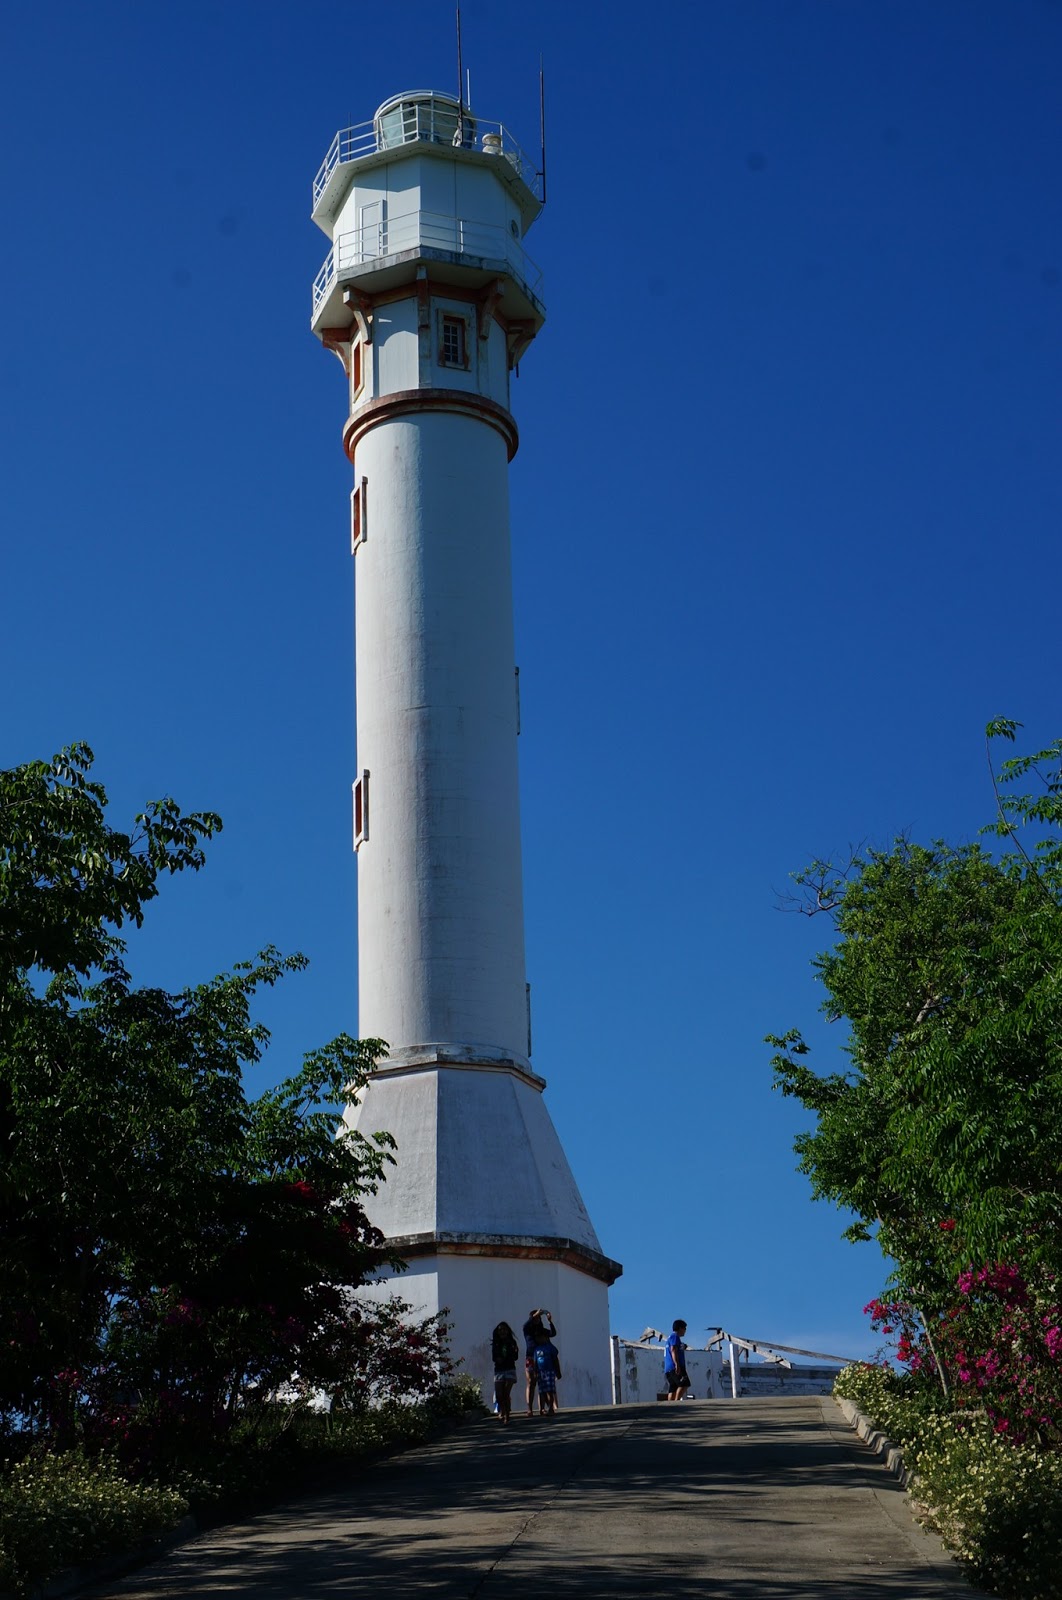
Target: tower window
pixel 357 376
pixel 361 810
pixel 358 515
pixel 453 341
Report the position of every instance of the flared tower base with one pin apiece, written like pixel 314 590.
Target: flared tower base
pixel 484 1208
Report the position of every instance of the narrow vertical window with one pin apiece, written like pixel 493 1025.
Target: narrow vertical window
pixel 358 518
pixel 453 341
pixel 357 376
pixel 361 810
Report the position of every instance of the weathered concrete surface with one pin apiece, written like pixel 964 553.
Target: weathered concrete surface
pixel 731 1500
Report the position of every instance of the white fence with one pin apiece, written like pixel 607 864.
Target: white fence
pixel 638 1368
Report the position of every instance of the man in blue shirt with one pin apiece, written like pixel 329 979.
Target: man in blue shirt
pixel 675 1375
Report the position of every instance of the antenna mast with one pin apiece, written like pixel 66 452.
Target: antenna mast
pixel 460 85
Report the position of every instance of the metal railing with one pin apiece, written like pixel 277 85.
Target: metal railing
pixel 423 230
pixel 425 120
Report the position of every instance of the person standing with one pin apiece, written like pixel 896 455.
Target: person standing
pixel 675 1375
pixel 536 1330
pixel 504 1352
pixel 547 1371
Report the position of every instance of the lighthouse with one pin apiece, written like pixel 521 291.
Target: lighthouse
pixel 430 300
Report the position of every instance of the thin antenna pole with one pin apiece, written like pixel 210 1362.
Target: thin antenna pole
pixel 542 121
pixel 468 89
pixel 460 85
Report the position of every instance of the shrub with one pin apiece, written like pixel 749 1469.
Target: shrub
pixel 996 1504
pixel 59 1510
pixel 462 1393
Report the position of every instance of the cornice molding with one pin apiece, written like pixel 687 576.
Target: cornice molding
pixel 413 402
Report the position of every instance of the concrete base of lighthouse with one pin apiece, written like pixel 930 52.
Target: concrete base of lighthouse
pixel 484 1208
pixel 482 1291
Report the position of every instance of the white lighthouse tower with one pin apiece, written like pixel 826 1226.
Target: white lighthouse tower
pixel 430 300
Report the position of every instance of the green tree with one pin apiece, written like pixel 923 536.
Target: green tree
pixel 167 1247
pixel 944 1133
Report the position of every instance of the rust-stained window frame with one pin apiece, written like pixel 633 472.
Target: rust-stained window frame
pixel 359 510
pixel 455 354
pixel 360 791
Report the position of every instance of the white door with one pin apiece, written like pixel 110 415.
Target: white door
pixel 372 231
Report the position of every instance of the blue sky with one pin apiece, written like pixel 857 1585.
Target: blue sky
pixel 785 520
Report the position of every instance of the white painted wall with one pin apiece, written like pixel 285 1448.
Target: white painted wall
pixel 427 181
pixel 640 1370
pixel 395 350
pixel 482 1292
pixel 397 184
pixel 497 383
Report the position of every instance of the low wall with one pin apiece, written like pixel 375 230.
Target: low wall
pixel 638 1375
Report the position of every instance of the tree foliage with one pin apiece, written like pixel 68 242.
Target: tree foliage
pixel 944 1133
pixel 169 1249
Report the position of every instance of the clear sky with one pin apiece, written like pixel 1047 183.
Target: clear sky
pixel 785 517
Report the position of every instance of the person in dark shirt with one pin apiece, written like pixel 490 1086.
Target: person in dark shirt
pixel 505 1352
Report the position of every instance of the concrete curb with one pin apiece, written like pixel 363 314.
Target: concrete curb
pixel 872 1435
pixel 877 1441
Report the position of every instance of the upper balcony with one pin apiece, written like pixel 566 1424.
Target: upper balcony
pixel 425 118
pixel 381 254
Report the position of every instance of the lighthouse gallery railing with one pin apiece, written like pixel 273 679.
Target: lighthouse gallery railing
pixel 426 121
pixel 429 230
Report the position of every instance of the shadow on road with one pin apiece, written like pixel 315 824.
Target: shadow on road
pixel 725 1500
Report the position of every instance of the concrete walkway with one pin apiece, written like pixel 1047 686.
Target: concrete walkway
pixel 732 1500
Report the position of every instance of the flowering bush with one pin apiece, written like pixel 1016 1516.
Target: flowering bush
pixel 899 1322
pixel 388 1356
pixel 999 1345
pixel 60 1510
pixel 897 1404
pixel 57 1510
pixel 997 1505
pixel 1003 1344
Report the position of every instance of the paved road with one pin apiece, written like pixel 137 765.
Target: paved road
pixel 729 1500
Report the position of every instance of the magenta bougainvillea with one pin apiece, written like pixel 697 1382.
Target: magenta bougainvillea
pixel 1000 1343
